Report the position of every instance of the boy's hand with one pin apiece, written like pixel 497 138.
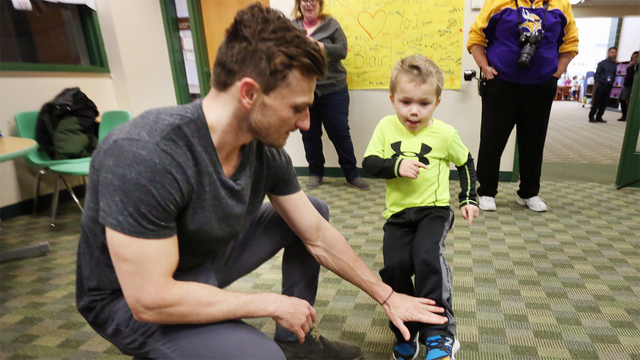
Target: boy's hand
pixel 469 212
pixel 410 168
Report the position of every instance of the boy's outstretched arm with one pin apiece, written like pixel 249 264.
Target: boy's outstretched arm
pixel 468 204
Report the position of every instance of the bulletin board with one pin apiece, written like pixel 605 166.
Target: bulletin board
pixel 380 32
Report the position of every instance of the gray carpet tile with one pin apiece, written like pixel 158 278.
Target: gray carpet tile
pixel 571 138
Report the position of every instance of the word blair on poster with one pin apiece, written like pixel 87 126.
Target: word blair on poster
pixel 380 32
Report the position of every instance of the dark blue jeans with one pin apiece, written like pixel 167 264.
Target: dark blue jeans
pixel 332 111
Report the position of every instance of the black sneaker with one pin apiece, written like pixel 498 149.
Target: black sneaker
pixel 601 120
pixel 315 346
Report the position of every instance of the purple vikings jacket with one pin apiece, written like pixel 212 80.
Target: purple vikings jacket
pixel 497 28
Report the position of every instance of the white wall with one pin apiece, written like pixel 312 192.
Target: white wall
pixel 629 38
pixel 460 108
pixel 594 40
pixel 140 79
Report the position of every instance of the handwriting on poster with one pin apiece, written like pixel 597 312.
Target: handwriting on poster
pixel 380 32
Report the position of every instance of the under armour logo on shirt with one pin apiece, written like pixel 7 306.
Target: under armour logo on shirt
pixel 424 150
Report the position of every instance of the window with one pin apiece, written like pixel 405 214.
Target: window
pixel 51 37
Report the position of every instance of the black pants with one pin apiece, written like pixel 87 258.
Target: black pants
pixel 527 107
pixel 267 234
pixel 414 245
pixel 332 111
pixel 600 101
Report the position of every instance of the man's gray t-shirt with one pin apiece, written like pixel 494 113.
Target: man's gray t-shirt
pixel 160 176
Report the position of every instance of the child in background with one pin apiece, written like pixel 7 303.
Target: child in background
pixel 575 88
pixel 412 151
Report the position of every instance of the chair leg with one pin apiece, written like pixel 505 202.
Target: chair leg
pixel 37 190
pixel 75 198
pixel 54 201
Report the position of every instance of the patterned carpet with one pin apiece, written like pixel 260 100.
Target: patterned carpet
pixel 572 139
pixel 564 284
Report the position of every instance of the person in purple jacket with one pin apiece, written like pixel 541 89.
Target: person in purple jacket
pixel 522 48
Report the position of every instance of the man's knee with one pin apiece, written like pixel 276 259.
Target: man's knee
pixel 320 205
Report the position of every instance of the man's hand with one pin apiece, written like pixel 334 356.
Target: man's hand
pixel 401 308
pixel 469 212
pixel 410 168
pixel 295 315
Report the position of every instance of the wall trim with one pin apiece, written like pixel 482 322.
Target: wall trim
pixel 44 204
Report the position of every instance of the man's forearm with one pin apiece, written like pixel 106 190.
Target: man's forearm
pixel 185 302
pixel 334 253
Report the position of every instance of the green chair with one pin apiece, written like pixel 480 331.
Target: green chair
pixel 26 126
pixel 110 120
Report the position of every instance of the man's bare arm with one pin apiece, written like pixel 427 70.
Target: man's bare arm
pixel 145 271
pixel 332 251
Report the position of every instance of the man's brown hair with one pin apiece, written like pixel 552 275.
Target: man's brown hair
pixel 418 69
pixel 264 45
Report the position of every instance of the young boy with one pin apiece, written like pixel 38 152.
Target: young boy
pixel 412 151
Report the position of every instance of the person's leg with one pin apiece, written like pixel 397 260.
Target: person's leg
pixel 334 110
pixel 267 234
pixel 531 128
pixel 224 340
pixel 312 141
pixel 433 276
pixel 499 108
pixel 624 105
pixel 397 248
pixel 606 91
pixel 599 101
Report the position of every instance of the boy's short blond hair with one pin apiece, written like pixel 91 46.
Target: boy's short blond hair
pixel 419 69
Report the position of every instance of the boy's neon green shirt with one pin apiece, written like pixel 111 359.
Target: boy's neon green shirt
pixel 435 145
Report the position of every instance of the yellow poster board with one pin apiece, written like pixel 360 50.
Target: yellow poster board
pixel 380 32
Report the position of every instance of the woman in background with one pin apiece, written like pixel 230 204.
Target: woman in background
pixel 522 76
pixel 331 104
pixel 625 94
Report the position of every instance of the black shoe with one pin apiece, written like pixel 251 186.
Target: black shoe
pixel 624 118
pixel 358 183
pixel 315 346
pixel 601 120
pixel 592 120
pixel 313 181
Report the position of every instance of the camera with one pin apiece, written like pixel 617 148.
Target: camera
pixel 529 42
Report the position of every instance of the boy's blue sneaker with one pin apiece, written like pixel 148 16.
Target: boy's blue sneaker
pixel 406 350
pixel 440 347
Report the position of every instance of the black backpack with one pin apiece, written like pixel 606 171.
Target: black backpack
pixel 67 127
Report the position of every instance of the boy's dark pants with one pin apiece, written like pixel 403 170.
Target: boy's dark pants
pixel 414 244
